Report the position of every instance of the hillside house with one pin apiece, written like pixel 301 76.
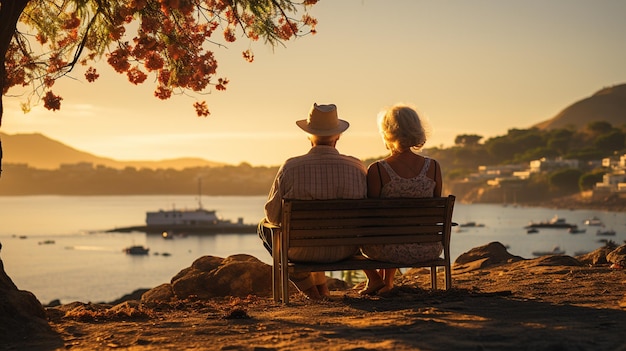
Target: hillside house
pixel 545 165
pixel 615 180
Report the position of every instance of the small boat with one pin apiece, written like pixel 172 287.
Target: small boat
pixel 555 222
pixel 576 230
pixel 471 224
pixel 555 251
pixel 136 250
pixel 609 232
pixel 532 231
pixel 593 221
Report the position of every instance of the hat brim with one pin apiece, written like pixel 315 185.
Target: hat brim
pixel 341 127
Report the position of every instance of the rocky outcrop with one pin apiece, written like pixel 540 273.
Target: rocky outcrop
pixel 480 257
pixel 210 276
pixel 598 256
pixel 21 314
pixel 617 257
pixel 495 253
pixel 553 260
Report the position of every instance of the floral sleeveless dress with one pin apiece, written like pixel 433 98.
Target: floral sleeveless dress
pixel 419 186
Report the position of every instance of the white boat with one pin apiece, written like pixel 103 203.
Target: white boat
pixel 197 220
pixel 555 222
pixel 189 221
pixel 593 221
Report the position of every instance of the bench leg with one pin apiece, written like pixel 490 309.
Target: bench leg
pixel 284 269
pixel 433 277
pixel 284 274
pixel 276 269
pixel 276 280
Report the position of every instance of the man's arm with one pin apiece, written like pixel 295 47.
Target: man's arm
pixel 274 204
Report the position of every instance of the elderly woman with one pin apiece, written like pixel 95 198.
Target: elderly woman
pixel 406 174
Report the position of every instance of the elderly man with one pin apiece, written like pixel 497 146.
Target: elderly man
pixel 321 174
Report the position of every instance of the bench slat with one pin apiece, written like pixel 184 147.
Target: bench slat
pixel 352 212
pixel 396 239
pixel 357 222
pixel 380 203
pixel 314 233
pixel 355 263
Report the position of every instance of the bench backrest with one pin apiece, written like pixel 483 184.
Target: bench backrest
pixel 371 221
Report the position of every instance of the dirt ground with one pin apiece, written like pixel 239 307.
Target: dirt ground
pixel 516 306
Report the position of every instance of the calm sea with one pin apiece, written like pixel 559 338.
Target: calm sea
pixel 86 264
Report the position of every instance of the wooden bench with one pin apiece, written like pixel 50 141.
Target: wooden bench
pixel 357 222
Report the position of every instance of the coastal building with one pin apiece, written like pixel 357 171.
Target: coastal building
pixel 516 176
pixel 613 182
pixel 544 164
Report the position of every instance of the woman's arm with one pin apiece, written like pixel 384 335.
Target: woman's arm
pixel 374 185
pixel 438 180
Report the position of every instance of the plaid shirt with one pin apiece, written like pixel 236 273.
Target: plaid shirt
pixel 323 173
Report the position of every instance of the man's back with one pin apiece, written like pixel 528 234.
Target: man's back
pixel 321 174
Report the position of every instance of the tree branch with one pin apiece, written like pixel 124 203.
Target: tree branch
pixel 10 11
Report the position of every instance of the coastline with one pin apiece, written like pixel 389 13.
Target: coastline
pixel 611 203
pixel 498 301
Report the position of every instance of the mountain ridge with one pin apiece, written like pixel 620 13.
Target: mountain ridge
pixel 607 104
pixel 39 151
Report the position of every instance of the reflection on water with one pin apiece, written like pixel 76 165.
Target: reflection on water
pixel 87 248
pixel 82 263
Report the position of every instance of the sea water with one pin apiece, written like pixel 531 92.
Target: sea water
pixel 57 247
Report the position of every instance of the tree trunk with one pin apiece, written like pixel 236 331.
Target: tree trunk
pixel 10 12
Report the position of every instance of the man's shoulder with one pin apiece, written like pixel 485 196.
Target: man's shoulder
pixel 352 160
pixel 322 159
pixel 295 160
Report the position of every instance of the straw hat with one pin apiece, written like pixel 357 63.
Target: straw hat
pixel 323 121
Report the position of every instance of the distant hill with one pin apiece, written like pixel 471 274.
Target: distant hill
pixel 608 104
pixel 39 151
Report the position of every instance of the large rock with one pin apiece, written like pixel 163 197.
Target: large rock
pixel 617 257
pixel 553 260
pixel 21 315
pixel 488 255
pixel 210 276
pixel 598 256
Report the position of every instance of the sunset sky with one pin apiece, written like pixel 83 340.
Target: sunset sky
pixel 479 67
